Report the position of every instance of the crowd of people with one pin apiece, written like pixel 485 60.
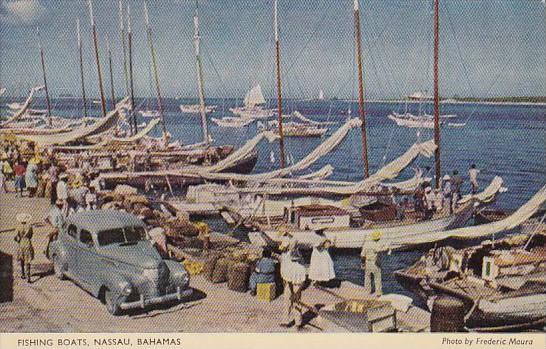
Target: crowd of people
pixel 428 200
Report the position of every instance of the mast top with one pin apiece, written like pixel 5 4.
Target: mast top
pixel 275 21
pixel 91 15
pixel 355 5
pixel 121 24
pixel 39 38
pixel 79 31
pixel 128 18
pixel 146 18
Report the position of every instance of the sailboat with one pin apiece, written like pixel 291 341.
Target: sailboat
pixel 195 108
pixel 500 281
pixel 321 95
pixel 253 105
pixel 400 233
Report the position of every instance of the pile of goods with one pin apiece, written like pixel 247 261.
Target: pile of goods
pixel 233 266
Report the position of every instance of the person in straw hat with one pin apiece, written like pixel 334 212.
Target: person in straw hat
pixel 25 250
pixel 294 275
pixel 371 263
pixel 57 219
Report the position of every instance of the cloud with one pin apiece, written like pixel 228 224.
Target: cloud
pixel 22 12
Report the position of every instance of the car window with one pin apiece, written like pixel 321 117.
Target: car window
pixel 85 238
pixel 119 236
pixel 133 234
pixel 72 231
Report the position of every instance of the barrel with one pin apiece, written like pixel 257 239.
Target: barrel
pixel 219 273
pixel 210 263
pixel 447 315
pixel 238 275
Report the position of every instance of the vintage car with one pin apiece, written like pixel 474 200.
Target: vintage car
pixel 106 252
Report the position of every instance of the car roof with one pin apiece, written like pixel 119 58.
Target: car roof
pixel 100 220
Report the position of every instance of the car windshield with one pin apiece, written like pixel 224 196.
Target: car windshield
pixel 121 236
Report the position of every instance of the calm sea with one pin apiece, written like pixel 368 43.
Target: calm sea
pixel 508 141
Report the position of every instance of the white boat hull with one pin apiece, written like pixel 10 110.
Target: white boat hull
pixel 400 236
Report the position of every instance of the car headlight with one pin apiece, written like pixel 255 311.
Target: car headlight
pixel 127 289
pixel 186 278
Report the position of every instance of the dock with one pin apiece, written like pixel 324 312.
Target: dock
pixel 213 308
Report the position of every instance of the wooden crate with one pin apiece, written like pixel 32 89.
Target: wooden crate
pixel 266 292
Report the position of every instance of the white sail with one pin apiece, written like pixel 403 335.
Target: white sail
pixel 254 97
pixel 321 95
pixel 2 91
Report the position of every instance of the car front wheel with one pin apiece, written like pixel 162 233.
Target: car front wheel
pixel 58 268
pixel 112 301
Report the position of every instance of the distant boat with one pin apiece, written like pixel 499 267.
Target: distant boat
pixel 321 95
pixel 420 96
pixel 194 108
pixel 235 122
pixel 149 113
pixel 253 105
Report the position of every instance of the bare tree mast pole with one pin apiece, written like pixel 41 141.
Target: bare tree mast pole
pixel 80 52
pixel 154 67
pixel 361 103
pixel 97 59
pixel 438 169
pixel 279 88
pixel 42 60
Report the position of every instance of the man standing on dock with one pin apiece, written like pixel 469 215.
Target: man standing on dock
pixel 293 274
pixel 371 263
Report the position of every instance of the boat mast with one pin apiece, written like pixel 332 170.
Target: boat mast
pixel 42 59
pixel 154 66
pixel 133 127
pixel 279 90
pixel 124 50
pixel 111 74
pixel 97 59
pixel 200 88
pixel 361 106
pixel 436 94
pixel 80 51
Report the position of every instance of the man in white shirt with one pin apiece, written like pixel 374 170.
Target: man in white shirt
pixel 62 192
pixel 473 175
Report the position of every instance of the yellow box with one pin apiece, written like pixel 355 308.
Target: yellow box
pixel 266 292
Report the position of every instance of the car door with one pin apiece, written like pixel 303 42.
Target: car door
pixel 87 263
pixel 70 242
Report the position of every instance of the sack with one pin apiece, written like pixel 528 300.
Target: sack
pixel 238 275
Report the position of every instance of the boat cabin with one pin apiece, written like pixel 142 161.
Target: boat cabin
pixel 313 217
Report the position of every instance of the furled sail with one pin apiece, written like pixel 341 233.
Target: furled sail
pixel 242 152
pixel 102 125
pixel 323 173
pixel 299 116
pixel 141 134
pixel 390 171
pixel 472 232
pixel 23 108
pixel 254 97
pixel 326 147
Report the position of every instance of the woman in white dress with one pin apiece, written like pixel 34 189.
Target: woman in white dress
pixel 321 268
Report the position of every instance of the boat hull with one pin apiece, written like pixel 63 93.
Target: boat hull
pixel 400 236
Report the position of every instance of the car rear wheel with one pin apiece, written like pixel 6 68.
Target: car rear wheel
pixel 58 268
pixel 112 301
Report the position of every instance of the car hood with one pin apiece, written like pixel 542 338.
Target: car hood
pixel 141 254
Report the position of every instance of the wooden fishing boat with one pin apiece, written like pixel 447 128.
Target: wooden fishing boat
pixel 347 237
pixel 502 283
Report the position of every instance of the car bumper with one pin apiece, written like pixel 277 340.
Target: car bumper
pixel 145 302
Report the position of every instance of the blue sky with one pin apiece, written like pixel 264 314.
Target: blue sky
pixel 488 47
